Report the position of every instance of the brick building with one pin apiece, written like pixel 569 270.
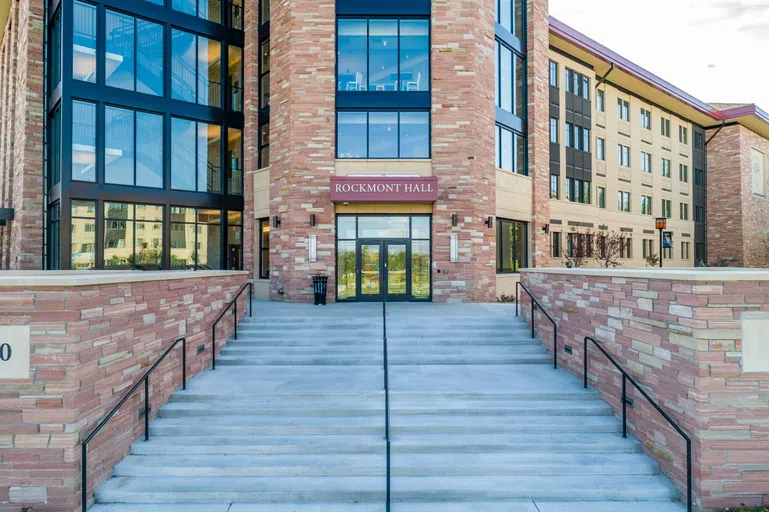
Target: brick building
pixel 426 150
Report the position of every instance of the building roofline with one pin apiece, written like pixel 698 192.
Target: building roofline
pixel 603 53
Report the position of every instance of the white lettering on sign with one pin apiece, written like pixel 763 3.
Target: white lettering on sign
pixel 408 188
pixel 14 351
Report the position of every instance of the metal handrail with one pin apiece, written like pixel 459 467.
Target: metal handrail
pixel 145 380
pixel 234 301
pixel 534 305
pixel 625 378
pixel 387 393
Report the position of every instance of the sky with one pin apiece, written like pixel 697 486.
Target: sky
pixel 715 50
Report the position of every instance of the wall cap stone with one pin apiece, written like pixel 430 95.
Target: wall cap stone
pixel 675 274
pixel 34 278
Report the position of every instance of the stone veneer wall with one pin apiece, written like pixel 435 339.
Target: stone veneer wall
pixel 89 344
pixel 302 143
pixel 737 217
pixel 21 136
pixel 681 337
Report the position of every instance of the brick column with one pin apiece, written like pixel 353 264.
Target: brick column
pixel 8 71
pixel 250 129
pixel 302 130
pixel 538 36
pixel 26 244
pixel 463 146
pixel 725 196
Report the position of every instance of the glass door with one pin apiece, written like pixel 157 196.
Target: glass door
pixel 370 270
pixel 397 270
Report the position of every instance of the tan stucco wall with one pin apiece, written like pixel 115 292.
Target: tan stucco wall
pixel 376 167
pixel 616 178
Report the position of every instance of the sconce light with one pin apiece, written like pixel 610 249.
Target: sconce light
pixel 454 219
pixel 312 219
pixel 313 248
pixel 276 222
pixel 546 229
pixel 490 221
pixel 6 214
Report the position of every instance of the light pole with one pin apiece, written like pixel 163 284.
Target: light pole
pixel 661 224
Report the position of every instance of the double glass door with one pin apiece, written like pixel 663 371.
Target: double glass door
pixel 384 267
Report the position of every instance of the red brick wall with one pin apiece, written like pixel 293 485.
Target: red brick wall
pixel 89 345
pixel 463 147
pixel 738 219
pixel 681 339
pixel 8 71
pixel 538 36
pixel 725 196
pixel 26 186
pixel 303 131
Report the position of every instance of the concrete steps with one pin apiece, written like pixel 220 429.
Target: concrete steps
pixel 293 420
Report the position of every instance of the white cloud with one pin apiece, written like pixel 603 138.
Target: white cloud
pixel 713 49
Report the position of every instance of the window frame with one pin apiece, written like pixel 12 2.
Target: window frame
pixel 523 259
pixel 368 113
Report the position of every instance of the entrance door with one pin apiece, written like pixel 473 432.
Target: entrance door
pixel 384 267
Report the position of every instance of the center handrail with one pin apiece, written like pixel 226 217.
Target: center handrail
pixel 234 301
pixel 626 377
pixel 387 394
pixel 144 380
pixel 535 305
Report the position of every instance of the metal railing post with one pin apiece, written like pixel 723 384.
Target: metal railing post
pixel 533 307
pixel 213 350
pixel 555 347
pixel 251 300
pixel 584 353
pixel 517 299
pixel 689 500
pixel 184 363
pixel 624 406
pixel 84 477
pixel 147 409
pixel 236 318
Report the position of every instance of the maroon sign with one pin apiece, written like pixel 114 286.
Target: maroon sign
pixel 346 189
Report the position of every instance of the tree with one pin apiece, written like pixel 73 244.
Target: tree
pixel 578 248
pixel 609 248
pixel 653 260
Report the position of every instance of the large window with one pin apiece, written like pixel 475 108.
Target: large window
pixel 601 197
pixel 235 78
pixel 665 167
pixel 623 109
pixel 646 205
pixel 54 49
pixel 134 54
pixel 667 208
pixel 510 14
pixel 83 141
pixel 195 156
pixel 510 79
pixel 646 119
pixel 235 161
pixel 577 84
pixel 53 248
pixel 511 151
pixel 133 236
pixel 133 150
pixel 210 10
pixel 646 162
pixel 196 68
pixel 577 137
pixel 623 155
pixel 83 235
pixel 578 191
pixel 383 134
pixel 84 42
pixel 623 201
pixel 54 147
pixel 264 249
pixel 383 55
pixel 511 246
pixel 555 192
pixel 196 238
pixel 264 76
pixel 234 240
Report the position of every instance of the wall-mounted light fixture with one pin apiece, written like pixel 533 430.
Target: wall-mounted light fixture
pixel 490 221
pixel 454 219
pixel 6 214
pixel 313 247
pixel 276 222
pixel 546 229
pixel 312 219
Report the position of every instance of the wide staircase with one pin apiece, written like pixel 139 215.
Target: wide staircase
pixel 293 419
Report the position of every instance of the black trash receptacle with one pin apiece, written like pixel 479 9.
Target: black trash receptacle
pixel 319 286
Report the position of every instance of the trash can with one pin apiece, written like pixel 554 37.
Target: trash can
pixel 319 286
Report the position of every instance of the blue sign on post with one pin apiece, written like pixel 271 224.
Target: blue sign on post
pixel 667 240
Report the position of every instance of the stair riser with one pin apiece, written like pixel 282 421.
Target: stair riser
pixel 394 411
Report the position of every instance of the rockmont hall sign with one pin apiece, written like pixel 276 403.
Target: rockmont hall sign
pixel 389 189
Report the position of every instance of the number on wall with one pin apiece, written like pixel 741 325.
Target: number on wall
pixel 5 352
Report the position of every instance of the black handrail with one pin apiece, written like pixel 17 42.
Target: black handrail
pixel 535 305
pixel 625 378
pixel 146 380
pixel 234 301
pixel 387 393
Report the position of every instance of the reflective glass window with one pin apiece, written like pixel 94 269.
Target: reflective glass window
pixel 149 57
pixel 119 146
pixel 383 55
pixel 120 51
pixel 183 70
pixel 84 42
pixel 83 141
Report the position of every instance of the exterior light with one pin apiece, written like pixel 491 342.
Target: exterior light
pixel 276 222
pixel 661 223
pixel 312 219
pixel 454 219
pixel 490 221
